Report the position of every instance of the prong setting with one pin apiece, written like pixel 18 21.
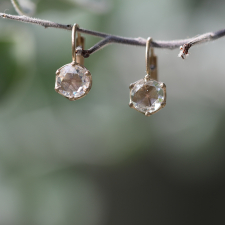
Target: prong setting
pixel 148 96
pixel 73 81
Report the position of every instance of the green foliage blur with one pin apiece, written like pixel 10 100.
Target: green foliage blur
pixel 95 161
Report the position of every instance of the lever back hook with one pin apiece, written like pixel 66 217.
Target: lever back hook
pixel 74 31
pixel 79 41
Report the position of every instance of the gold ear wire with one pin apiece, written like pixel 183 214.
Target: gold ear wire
pixel 151 61
pixel 148 44
pixel 74 31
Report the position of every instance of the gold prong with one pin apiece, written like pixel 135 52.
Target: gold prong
pixel 147 77
pixel 148 114
pixel 71 99
pixel 73 63
pixel 131 104
pixel 87 73
pixel 131 85
pixel 57 72
pixel 163 104
pixel 163 85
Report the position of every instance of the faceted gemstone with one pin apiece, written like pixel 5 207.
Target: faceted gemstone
pixel 147 95
pixel 73 81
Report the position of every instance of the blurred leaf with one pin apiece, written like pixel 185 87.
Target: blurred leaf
pixel 8 66
pixel 98 7
pixel 16 63
pixel 51 5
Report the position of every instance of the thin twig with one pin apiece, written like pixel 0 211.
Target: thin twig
pixel 108 38
pixel 27 19
pixel 113 39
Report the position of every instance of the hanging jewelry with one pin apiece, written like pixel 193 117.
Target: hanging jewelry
pixel 73 80
pixel 148 95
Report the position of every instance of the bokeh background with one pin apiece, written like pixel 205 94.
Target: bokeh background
pixel 95 161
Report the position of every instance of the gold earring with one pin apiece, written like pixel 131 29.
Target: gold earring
pixel 73 80
pixel 148 95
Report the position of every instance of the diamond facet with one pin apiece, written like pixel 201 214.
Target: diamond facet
pixel 73 81
pixel 148 96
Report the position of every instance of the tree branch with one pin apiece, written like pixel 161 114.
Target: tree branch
pixel 108 38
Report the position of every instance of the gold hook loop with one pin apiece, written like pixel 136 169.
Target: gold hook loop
pixel 74 31
pixel 148 44
pixel 151 61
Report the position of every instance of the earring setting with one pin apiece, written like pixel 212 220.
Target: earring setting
pixel 73 80
pixel 148 95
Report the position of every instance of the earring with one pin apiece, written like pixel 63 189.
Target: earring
pixel 73 80
pixel 148 95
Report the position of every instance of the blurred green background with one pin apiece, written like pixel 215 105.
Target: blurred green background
pixel 95 161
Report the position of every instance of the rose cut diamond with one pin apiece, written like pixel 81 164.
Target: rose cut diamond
pixel 148 96
pixel 73 81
